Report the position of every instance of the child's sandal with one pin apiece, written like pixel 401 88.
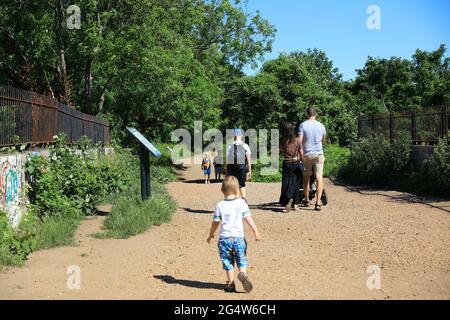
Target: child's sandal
pixel 318 207
pixel 229 287
pixel 246 283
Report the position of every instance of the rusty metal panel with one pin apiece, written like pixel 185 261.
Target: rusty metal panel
pixel 30 118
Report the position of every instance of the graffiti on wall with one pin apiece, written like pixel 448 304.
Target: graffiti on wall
pixel 11 177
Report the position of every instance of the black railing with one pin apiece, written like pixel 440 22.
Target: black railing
pixel 425 125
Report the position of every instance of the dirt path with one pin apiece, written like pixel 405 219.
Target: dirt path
pixel 303 255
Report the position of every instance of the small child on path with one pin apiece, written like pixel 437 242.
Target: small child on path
pixel 206 167
pixel 218 166
pixel 230 214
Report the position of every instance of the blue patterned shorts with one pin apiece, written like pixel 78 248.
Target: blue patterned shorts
pixel 233 250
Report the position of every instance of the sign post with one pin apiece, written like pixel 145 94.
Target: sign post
pixel 145 147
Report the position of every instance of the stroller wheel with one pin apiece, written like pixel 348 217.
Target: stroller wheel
pixel 324 198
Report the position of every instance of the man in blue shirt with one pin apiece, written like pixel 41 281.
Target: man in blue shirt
pixel 312 137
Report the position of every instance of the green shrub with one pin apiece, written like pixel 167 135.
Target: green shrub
pixel 376 161
pixel 162 168
pixel 16 244
pixel 434 174
pixel 336 157
pixel 162 174
pixel 68 183
pixel 261 171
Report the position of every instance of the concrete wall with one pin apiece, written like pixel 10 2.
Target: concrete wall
pixel 13 198
pixel 12 186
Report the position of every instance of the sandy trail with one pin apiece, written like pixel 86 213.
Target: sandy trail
pixel 303 254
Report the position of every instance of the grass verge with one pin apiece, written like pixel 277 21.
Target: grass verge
pixel 56 232
pixel 66 188
pixel 131 216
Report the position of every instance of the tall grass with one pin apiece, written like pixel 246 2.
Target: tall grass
pixel 57 231
pixel 131 216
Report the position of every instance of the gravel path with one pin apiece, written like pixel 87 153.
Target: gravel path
pixel 302 255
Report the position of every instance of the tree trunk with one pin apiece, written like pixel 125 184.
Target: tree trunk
pixel 60 31
pixel 88 84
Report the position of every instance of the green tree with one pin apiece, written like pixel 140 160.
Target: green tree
pixel 158 64
pixel 284 89
pixel 398 84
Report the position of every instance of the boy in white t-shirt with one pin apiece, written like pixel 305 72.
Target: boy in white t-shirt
pixel 230 214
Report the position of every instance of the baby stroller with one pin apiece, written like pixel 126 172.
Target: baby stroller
pixel 312 187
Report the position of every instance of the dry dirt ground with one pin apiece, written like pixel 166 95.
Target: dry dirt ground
pixel 302 255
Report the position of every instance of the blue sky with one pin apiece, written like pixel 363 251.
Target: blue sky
pixel 339 28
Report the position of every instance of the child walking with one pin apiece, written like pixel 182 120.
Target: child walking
pixel 230 214
pixel 206 167
pixel 218 166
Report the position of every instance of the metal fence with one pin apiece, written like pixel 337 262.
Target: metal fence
pixel 30 118
pixel 424 126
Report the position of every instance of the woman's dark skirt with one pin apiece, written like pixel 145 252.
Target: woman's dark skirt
pixel 290 187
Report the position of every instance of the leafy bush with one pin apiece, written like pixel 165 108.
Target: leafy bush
pixel 335 158
pixel 15 245
pixel 376 161
pixel 67 182
pixel 434 174
pixel 67 185
pixel 261 168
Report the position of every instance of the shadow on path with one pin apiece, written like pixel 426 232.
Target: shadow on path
pixel 180 167
pixel 402 197
pixel 189 283
pixel 200 181
pixel 271 206
pixel 198 211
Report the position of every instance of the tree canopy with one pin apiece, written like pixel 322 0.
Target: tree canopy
pixel 162 64
pixel 156 63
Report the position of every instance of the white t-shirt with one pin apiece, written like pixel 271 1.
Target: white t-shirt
pixel 240 158
pixel 231 213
